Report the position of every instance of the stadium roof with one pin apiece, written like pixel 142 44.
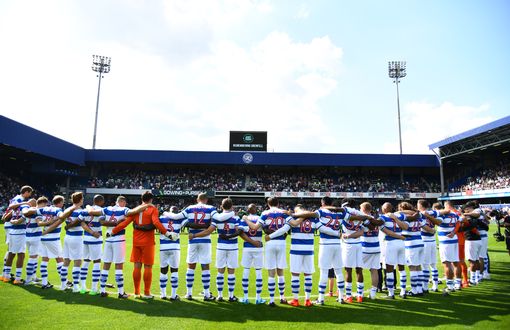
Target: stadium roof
pixel 15 134
pixel 20 136
pixel 488 129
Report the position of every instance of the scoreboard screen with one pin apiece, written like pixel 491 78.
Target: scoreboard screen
pixel 248 141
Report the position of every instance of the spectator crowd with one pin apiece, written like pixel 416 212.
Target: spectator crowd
pixel 496 178
pixel 258 181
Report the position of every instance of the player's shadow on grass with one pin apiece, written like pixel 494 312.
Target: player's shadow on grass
pixel 486 302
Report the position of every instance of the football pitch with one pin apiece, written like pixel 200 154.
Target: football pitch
pixel 485 306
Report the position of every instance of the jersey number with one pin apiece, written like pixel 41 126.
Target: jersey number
pixel 276 223
pixel 199 218
pixel 333 223
pixel 306 226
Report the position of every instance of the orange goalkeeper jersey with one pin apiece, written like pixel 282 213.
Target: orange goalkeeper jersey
pixel 147 217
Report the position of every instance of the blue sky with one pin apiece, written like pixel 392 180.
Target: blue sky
pixel 311 73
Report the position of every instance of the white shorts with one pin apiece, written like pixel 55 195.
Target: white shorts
pixel 330 256
pixel 227 258
pixel 7 237
pixel 17 244
pixel 414 256
pixel 114 252
pixel 33 246
pixel 276 256
pixel 199 253
pixel 395 253
pixel 252 258
pixel 92 251
pixel 352 255
pixel 301 264
pixel 449 252
pixel 371 260
pixel 51 249
pixel 473 249
pixel 170 258
pixel 382 244
pixel 485 247
pixel 73 247
pixel 429 253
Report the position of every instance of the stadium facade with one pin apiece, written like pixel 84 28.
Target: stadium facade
pixel 463 155
pixel 43 155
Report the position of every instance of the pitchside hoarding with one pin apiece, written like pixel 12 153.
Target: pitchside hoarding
pixel 248 141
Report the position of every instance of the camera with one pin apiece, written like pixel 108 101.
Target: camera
pixel 497 215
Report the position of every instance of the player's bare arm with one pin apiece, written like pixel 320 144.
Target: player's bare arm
pixel 52 227
pixel 252 225
pixel 203 233
pixel 90 231
pixel 108 223
pixel 15 206
pixel 333 208
pixel 329 231
pixel 229 236
pixel 428 229
pixel 296 222
pixel 67 212
pixel 247 239
pixel 278 233
pixel 93 212
pixel 401 224
pixel 72 224
pixel 393 234
pixel 193 225
pixel 305 214
pixel 432 219
pixel 410 214
pixel 356 234
pixel 360 217
pixel 18 221
pixel 138 209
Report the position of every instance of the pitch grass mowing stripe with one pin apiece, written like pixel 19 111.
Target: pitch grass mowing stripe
pixel 484 306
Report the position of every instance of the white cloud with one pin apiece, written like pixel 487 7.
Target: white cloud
pixel 425 123
pixel 303 12
pixel 149 102
pixel 215 15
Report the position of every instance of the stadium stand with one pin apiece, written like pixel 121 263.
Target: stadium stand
pixel 474 164
pixel 313 180
pixel 493 178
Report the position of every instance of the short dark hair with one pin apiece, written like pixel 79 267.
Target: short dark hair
pixel 406 206
pixel 202 197
pixel 474 204
pixel 147 196
pixel 57 199
pixel 25 189
pixel 423 202
pixel 272 201
pixel 327 200
pixel 437 206
pixel 98 199
pixel 348 202
pixel 77 196
pixel 227 203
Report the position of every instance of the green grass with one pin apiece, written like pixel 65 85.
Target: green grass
pixel 486 306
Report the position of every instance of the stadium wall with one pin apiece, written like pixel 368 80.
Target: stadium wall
pixel 23 137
